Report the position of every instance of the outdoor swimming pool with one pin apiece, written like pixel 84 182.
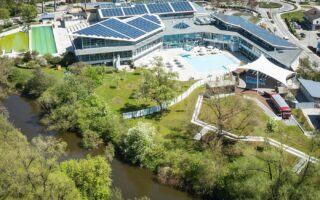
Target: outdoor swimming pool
pixel 43 40
pixel 212 63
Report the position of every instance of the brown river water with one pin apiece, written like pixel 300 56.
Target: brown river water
pixel 133 181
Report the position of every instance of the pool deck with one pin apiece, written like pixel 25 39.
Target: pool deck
pixel 186 72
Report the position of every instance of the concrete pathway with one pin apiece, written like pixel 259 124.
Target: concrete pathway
pixel 232 136
pixel 300 165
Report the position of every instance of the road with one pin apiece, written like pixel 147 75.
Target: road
pixel 282 29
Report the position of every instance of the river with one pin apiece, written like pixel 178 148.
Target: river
pixel 133 181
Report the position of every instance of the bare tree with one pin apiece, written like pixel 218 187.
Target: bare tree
pixel 229 113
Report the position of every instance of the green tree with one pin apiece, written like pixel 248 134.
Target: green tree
pixel 158 84
pixel 138 143
pixel 31 171
pixel 4 13
pixel 38 84
pixel 28 12
pixel 94 115
pixel 91 139
pixel 271 126
pixel 91 176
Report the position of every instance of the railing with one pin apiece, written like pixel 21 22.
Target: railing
pixel 155 109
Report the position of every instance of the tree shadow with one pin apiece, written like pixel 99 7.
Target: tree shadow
pixel 128 107
pixel 133 95
pixel 157 116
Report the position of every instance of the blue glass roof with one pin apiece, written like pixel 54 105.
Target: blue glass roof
pixel 181 25
pixel 144 24
pixel 127 30
pixel 182 6
pixel 112 12
pixel 123 28
pixel 159 8
pixel 152 18
pixel 138 9
pixel 149 8
pixel 254 30
pixel 101 31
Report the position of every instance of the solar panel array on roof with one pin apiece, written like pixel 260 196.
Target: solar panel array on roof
pixel 138 9
pixel 255 30
pixel 151 8
pixel 143 24
pixel 112 12
pixel 182 6
pixel 152 18
pixel 101 31
pixel 159 8
pixel 123 28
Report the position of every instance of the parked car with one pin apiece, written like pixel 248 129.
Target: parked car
pixel 303 35
pixel 285 37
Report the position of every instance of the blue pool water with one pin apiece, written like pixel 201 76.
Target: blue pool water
pixel 211 63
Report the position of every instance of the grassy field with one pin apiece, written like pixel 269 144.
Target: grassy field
pixel 290 135
pixel 295 15
pixel 269 5
pixel 174 124
pixel 298 114
pixel 19 42
pixel 175 121
pixel 119 89
pixel 43 40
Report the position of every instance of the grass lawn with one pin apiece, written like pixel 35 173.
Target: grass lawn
pixel 298 114
pixel 118 90
pixel 19 42
pixel 247 16
pixel 290 135
pixel 295 15
pixel 54 72
pixel 269 5
pixel 176 121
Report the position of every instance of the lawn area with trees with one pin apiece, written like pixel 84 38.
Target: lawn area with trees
pixel 253 122
pixel 120 89
pixel 294 16
pixel 268 4
pixel 81 99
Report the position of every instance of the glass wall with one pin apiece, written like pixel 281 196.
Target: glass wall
pixel 96 43
pixel 105 56
pixel 146 47
pixel 182 40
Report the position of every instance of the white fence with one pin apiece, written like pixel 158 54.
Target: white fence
pixel 154 109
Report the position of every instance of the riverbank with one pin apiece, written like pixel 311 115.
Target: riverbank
pixel 133 181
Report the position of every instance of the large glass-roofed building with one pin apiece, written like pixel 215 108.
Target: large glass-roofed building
pixel 134 30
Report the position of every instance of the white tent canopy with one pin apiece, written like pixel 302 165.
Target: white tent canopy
pixel 263 65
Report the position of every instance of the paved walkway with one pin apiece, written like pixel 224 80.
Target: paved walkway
pixel 232 136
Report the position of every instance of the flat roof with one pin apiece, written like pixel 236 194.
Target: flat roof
pixel 280 101
pixel 47 16
pixel 255 30
pixel 312 87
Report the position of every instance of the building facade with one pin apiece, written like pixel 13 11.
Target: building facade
pixel 176 28
pixel 312 18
